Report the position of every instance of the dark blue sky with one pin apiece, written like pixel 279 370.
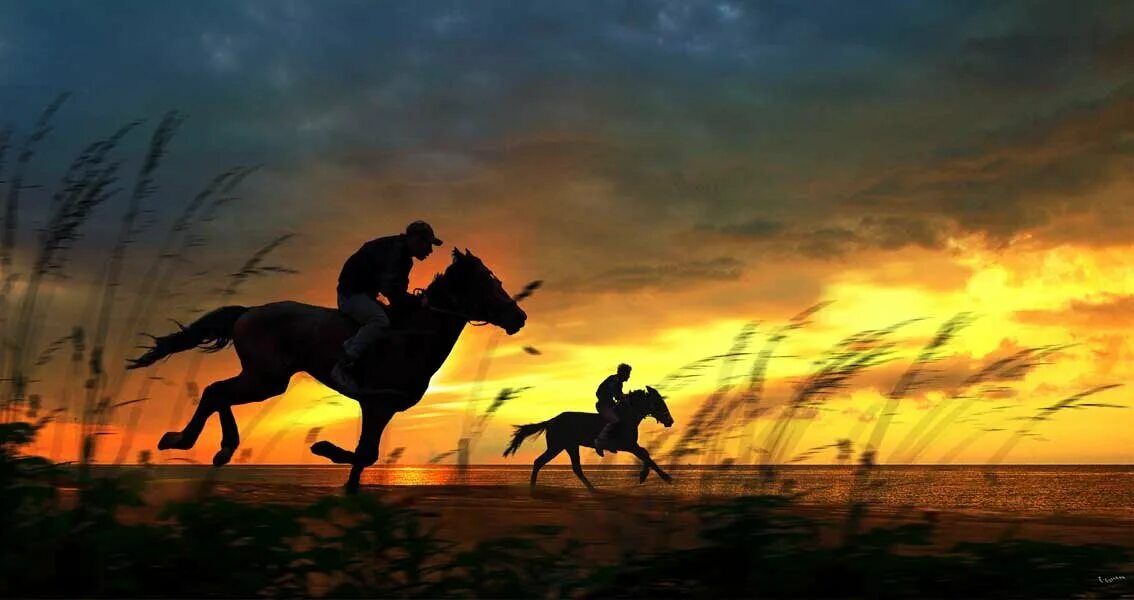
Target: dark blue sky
pixel 714 133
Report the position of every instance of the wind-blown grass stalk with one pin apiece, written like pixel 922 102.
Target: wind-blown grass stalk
pixel 468 422
pixel 77 342
pixel 693 437
pixel 129 229
pixel 155 281
pixel 851 356
pixel 16 185
pixel 265 409
pixel 758 375
pixel 251 267
pixel 78 199
pixel 437 458
pixel 158 276
pixel 671 383
pixel 986 372
pixel 5 143
pixel 501 398
pixel 908 381
pixel 718 423
pixel 1012 366
pixel 1046 413
pixel 143 189
pixel 394 456
pixel 281 432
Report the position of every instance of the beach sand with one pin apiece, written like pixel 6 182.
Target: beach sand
pixel 614 523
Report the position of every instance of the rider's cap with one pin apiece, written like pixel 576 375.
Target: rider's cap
pixel 422 228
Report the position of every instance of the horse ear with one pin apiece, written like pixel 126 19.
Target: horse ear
pixel 456 253
pixel 467 253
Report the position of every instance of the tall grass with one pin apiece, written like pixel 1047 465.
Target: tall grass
pixel 86 185
pixel 183 228
pixel 362 547
pixel 129 229
pixel 700 429
pixel 173 252
pixel 831 372
pixel 253 266
pixel 930 354
pixel 968 391
pixel 16 185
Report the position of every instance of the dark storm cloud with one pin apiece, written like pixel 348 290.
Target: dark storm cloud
pixel 1021 180
pixel 835 240
pixel 755 120
pixel 661 275
pixel 1045 47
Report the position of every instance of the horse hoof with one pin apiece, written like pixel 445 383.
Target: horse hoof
pixel 223 456
pixel 351 488
pixel 322 448
pixel 667 478
pixel 172 441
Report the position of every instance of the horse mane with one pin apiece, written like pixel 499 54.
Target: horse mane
pixel 635 400
pixel 459 260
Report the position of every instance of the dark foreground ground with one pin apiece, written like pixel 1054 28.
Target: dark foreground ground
pixel 69 536
pixel 504 541
pixel 612 522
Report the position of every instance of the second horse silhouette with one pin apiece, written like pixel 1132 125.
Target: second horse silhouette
pixel 570 430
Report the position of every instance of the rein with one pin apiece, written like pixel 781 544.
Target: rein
pixel 464 316
pixel 448 311
pixel 638 411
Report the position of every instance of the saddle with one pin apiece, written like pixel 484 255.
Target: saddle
pixel 386 362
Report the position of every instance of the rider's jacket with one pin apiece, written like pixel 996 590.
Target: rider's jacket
pixel 609 391
pixel 380 266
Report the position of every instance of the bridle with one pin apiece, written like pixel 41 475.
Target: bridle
pixel 453 300
pixel 640 411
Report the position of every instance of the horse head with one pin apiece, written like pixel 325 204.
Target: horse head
pixel 659 410
pixel 474 292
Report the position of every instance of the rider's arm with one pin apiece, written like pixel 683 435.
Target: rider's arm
pixel 396 289
pixel 394 268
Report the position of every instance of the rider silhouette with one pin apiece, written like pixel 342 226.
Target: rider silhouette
pixel 609 393
pixel 380 266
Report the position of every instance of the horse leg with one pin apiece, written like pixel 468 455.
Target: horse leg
pixel 374 420
pixel 647 462
pixel 577 467
pixel 256 390
pixel 542 460
pixel 209 403
pixel 332 453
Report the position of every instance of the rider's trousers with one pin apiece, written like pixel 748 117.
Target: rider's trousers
pixel 369 313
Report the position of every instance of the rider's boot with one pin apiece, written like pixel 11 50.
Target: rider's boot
pixel 601 440
pixel 343 373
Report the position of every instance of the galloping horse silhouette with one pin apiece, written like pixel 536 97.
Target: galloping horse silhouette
pixel 569 430
pixel 274 341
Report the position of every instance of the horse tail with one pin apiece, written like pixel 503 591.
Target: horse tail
pixel 210 333
pixel 522 433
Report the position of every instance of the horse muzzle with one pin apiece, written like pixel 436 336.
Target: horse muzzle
pixel 514 321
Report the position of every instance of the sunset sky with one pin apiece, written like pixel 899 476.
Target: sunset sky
pixel 670 170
